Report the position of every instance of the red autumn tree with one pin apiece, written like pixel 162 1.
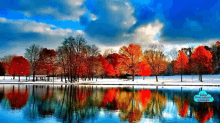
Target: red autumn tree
pixel 113 59
pixel 181 64
pixel 19 66
pixel 131 58
pixel 108 68
pixel 82 70
pixel 47 62
pixel 144 68
pixel 201 61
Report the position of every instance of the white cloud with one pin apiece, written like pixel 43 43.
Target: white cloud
pixel 102 48
pixel 20 34
pixel 146 34
pixel 93 17
pixel 58 9
pixel 211 42
pixel 33 26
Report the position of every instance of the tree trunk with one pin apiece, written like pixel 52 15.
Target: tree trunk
pixel 201 78
pixel 181 77
pixel 19 78
pixel 61 78
pixel 65 78
pixel 53 76
pixel 133 76
pixel 26 78
pixel 156 78
pixel 34 76
pixel 71 77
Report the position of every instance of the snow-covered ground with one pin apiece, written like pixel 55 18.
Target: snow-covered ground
pixel 163 80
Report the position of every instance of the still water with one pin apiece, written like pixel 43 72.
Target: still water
pixel 48 103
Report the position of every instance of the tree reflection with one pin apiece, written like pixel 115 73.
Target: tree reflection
pixel 45 108
pixel 110 99
pixel 156 105
pixel 203 112
pixel 131 110
pixel 17 99
pixel 2 94
pixel 182 104
pixel 84 104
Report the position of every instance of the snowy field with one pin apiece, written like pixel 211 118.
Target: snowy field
pixel 163 80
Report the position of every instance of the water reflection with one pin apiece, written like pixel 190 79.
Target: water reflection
pixel 17 98
pixel 91 104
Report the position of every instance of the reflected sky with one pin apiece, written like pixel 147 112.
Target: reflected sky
pixel 48 103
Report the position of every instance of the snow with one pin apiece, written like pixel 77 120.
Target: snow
pixel 188 80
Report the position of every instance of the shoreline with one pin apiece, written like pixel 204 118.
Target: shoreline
pixel 113 84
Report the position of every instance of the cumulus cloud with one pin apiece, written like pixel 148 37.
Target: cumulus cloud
pixel 57 9
pixel 148 33
pixel 16 35
pixel 113 19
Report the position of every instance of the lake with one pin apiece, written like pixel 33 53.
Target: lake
pixel 97 104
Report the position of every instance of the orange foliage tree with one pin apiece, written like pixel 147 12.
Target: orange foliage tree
pixel 19 66
pixel 201 61
pixel 131 58
pixel 156 59
pixel 181 64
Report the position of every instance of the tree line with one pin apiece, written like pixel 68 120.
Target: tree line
pixel 76 59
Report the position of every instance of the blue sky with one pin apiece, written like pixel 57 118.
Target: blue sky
pixel 107 23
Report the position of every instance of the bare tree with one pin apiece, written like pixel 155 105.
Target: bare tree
pixel 108 51
pixel 172 54
pixel 32 54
